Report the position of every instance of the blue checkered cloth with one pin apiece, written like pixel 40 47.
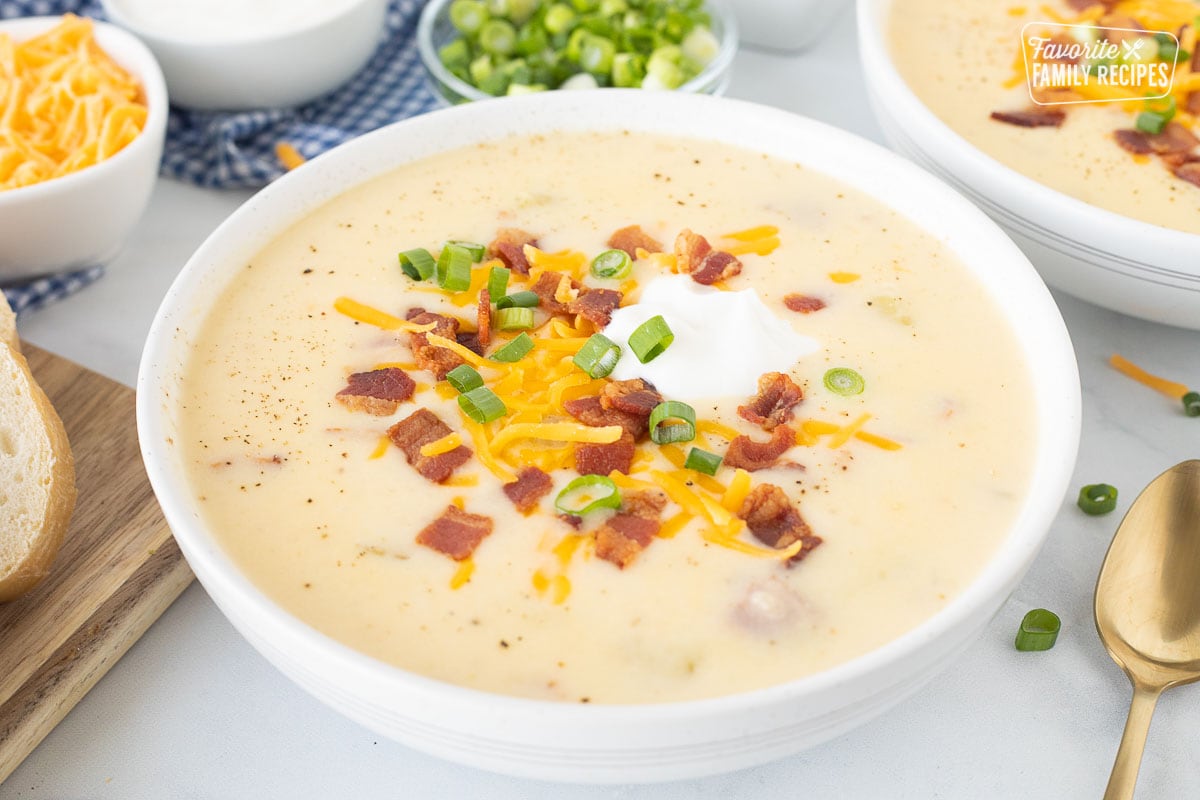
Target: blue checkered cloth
pixel 224 150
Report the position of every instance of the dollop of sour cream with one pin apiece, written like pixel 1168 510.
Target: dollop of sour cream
pixel 724 340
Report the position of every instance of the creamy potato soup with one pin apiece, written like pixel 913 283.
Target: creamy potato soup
pixel 828 450
pixel 963 60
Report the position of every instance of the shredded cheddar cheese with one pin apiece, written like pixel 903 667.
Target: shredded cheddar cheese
pixel 844 277
pixel 753 234
pixel 288 155
pixel 556 431
pixel 462 575
pixel 1170 388
pixel 738 489
pixel 443 445
pixel 380 448
pixel 380 319
pixel 64 104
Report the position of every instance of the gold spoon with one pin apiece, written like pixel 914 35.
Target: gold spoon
pixel 1148 605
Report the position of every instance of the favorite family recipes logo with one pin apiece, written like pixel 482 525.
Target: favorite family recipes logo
pixel 1073 63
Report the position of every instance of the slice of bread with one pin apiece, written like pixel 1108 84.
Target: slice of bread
pixel 8 325
pixel 37 478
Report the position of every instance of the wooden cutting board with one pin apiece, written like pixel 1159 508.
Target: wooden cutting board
pixel 118 569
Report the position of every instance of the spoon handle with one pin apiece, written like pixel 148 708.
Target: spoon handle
pixel 1129 756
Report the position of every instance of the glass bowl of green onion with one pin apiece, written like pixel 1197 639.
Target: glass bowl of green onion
pixel 475 49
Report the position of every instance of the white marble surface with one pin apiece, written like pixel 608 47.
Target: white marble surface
pixel 193 712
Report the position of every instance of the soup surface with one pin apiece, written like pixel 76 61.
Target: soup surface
pixel 911 483
pixel 958 57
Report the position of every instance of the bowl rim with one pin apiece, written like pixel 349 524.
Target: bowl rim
pixel 1049 475
pixel 113 11
pixel 713 70
pixel 1123 235
pixel 128 51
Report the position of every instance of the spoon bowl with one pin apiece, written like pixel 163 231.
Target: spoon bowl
pixel 1148 604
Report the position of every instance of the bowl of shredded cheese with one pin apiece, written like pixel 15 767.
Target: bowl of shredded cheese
pixel 82 119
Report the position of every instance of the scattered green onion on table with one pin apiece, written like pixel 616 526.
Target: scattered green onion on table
pixel 521 46
pixel 1039 630
pixel 1097 498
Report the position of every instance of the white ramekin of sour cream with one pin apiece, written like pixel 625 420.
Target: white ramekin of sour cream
pixel 228 54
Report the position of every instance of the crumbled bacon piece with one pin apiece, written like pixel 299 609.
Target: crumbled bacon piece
pixel 509 247
pixel 750 455
pixel 601 459
pixel 455 533
pixel 419 429
pixel 574 520
pixel 595 305
pixel 379 392
pixel 648 504
pixel 775 522
pixel 777 396
pixel 1192 106
pixel 1135 142
pixel 803 303
pixel 1175 139
pixel 437 360
pixel 1189 172
pixel 1116 28
pixel 483 319
pixel 471 342
pixel 1032 117
pixel 632 397
pixel 530 486
pixel 546 287
pixel 716 266
pixel 591 412
pixel 631 237
pixel 623 537
pixel 690 250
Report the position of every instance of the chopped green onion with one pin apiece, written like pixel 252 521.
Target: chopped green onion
pixel 474 249
pixel 1097 498
pixel 482 405
pixel 464 378
pixel 417 264
pixel 844 381
pixel 702 461
pixel 1039 630
pixel 454 268
pixel 498 37
pixel 683 429
pixel 456 54
pixel 650 339
pixel 628 70
pixel 586 494
pixel 596 54
pixel 612 264
pixel 701 46
pixel 1168 46
pixel 481 69
pixel 1191 404
pixel 559 18
pixel 1158 113
pixel 514 319
pixel 598 356
pixel 522 46
pixel 515 350
pixel 519 300
pixel 498 282
pixel 467 16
